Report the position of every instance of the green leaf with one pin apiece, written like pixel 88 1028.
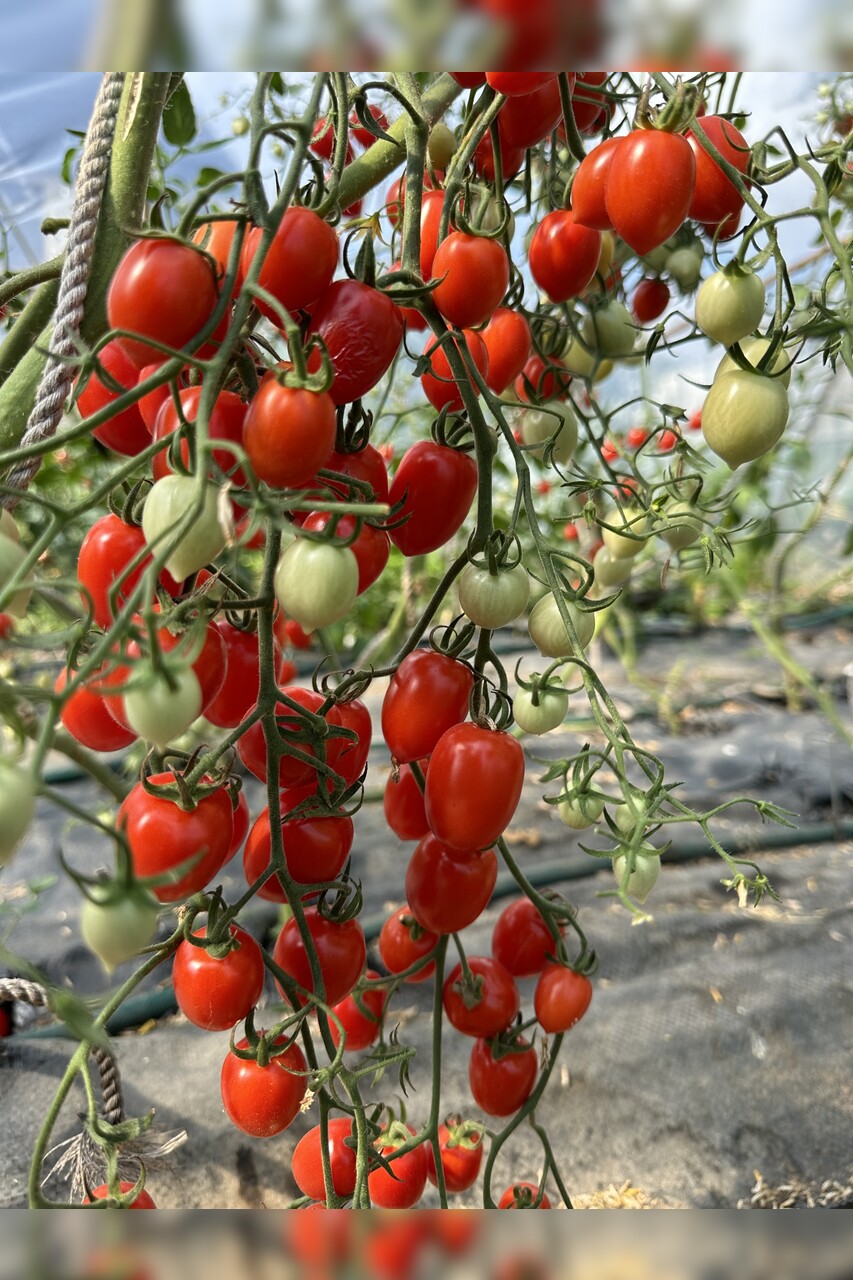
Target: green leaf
pixel 77 1018
pixel 208 175
pixel 179 124
pixel 68 165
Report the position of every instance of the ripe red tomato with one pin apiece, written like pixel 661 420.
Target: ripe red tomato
pixel 563 255
pixel 315 849
pixel 518 83
pixel 105 553
pixel 361 1028
pixel 292 772
pixel 362 330
pixel 715 199
pixel 473 275
pixel 152 402
pixel 162 289
pixel 363 135
pixel 142 1201
pixel 590 186
pixel 498 1001
pixel 307 1161
pixel 469 79
pixel 650 300
pixel 323 138
pixel 402 943
pixel 446 891
pixel 425 470
pixel 404 804
pixel 543 380
pixel 428 693
pixel 263 1101
pixel 87 718
pixel 439 384
pixel 694 422
pixel 371 548
pixel 635 437
pixel 341 953
pixel 667 440
pixel 649 187
pixel 161 835
pixel 225 424
pixel 242 820
pixel 508 342
pixel 367 465
pixel 395 198
pixel 7 625
pixel 300 262
pixel 500 1086
pixel 239 691
pixel 473 786
pixel 461 1153
pixel 512 158
pixel 401 1186
pixel 521 939
pixel 216 238
pixel 523 1195
pixel 125 433
pixel 346 757
pixel 215 993
pixel 590 108
pixel 319 1238
pixel 562 997
pixel 526 120
pixel 288 433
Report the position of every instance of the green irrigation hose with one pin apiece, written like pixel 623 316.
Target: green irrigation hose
pixel 137 1010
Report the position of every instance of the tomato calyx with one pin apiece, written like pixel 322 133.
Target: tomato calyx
pixel 509 1043
pixel 264 1046
pixel 525 1195
pixel 675 115
pixel 185 790
pixel 467 1134
pixel 346 902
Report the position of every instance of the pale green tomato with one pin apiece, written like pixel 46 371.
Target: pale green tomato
pixel 8 525
pixel 488 211
pixel 579 362
pixel 644 876
pixel 166 506
pixel 553 704
pixel 685 267
pixel 12 556
pixel 158 713
pixel 628 815
pixel 729 305
pixel 753 349
pixel 686 528
pixel 602 370
pixel 491 600
pixel 610 570
pixel 610 329
pixel 744 416
pixel 441 145
pixel 117 928
pixel 622 545
pixel 17 807
pixel 655 259
pixel 548 631
pixel 539 425
pixel 581 812
pixel 316 583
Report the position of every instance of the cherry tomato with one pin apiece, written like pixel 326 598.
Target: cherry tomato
pixel 427 469
pixel 543 380
pixel 402 943
pixel 428 693
pixel 126 432
pixel 105 553
pixel 447 891
pixel 473 275
pixel 225 423
pixel 7 625
pixel 404 804
pixel 461 1153
pixel 590 186
pixel 215 993
pixel 141 1201
pixel 242 821
pixel 512 158
pixel 715 198
pixel 361 1025
pixel 252 746
pixel 315 848
pixel 263 1101
pixel 486 1008
pixel 300 262
pixel 210 665
pixel 216 238
pixel 518 83
pixel 469 79
pixel 320 1238
pixel 363 135
pixel 473 786
pixel 371 548
pixel 346 757
pixel 507 339
pixel 362 330
pixel 288 433
pixel 667 440
pixel 402 1185
pixel 523 1195
pixel 525 121
pixel 367 465
pixel 649 187
pixel 562 997
pixel 500 1086
pixel 563 255
pixel 650 300
pixel 87 718
pixel 161 835
pixel 341 953
pixel 239 691
pixel 589 108
pixel 152 402
pixel 439 384
pixel 323 138
pixel 521 939
pixel 307 1161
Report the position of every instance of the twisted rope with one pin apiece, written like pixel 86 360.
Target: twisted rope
pixel 58 372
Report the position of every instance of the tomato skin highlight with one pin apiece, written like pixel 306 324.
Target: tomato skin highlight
pixel 445 891
pixel 428 693
pixel 473 275
pixel 264 1101
pixel 500 1086
pixel 473 786
pixel 362 329
pixel 340 948
pixel 428 469
pixel 563 255
pixel 215 994
pixel 561 999
pixel 650 185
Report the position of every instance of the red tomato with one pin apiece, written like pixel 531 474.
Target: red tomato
pixel 667 440
pixel 362 330
pixel 367 465
pixel 239 691
pixel 498 1001
pixel 543 380
pixel 428 693
pixel 371 548
pixel 292 772
pixel 216 238
pixel 715 199
pixel 341 953
pixel 210 666
pixel 521 939
pixel 428 469
pixel 525 121
pixel 150 404
pixel 563 255
pixel 401 1186
pixel 473 275
pixel 215 993
pixel 300 262
pixel 512 158
pixel 319 1237
pixel 562 998
pixel 439 385
pixel 242 821
pixel 590 186
pixel 363 135
pixel 297 636
pixel 86 717
pixel 105 553
pixel 473 786
pixel 402 943
pixel 500 1086
pixel 649 187
pixel 445 890
pixel 263 1101
pixel 650 300
pixel 395 198
pixel 288 433
pixel 125 433
pixel 323 138
pixel 570 531
pixel 345 756
pixel 523 1195
pixel 508 341
pixel 315 848
pixel 161 289
pixel 161 835
pixel 694 422
pixel 404 804
pixel 461 1153
pixel 469 79
pixel 590 108
pixel 609 452
pixel 225 424
pixel 7 625
pixel 636 437
pixel 517 83
pixel 307 1160
pixel 142 1201
pixel 361 1025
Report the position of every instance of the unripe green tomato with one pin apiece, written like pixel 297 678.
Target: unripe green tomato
pixel 8 525
pixel 117 928
pixel 441 145
pixel 316 583
pixel 166 506
pixel 628 815
pixel 729 305
pixel 753 349
pixel 623 545
pixel 685 268
pixel 581 812
pixel 548 714
pixel 491 600
pixel 744 416
pixel 687 527
pixel 610 329
pixel 539 425
pixel 159 713
pixel 579 362
pixel 610 570
pixel 548 631
pixel 656 259
pixel 12 556
pixel 644 876
pixel 487 212
pixel 17 806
